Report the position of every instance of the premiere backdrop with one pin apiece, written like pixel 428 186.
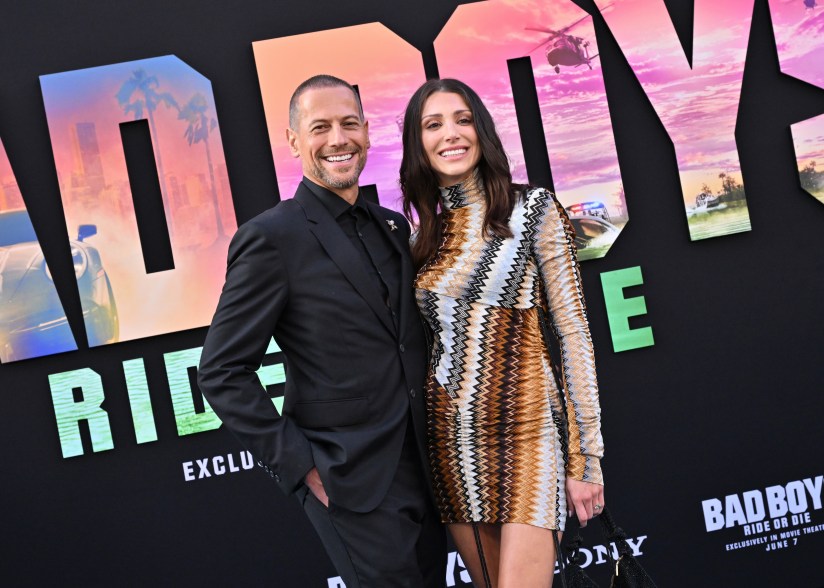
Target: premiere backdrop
pixel 685 139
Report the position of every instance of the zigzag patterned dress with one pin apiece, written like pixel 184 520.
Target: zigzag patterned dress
pixel 494 409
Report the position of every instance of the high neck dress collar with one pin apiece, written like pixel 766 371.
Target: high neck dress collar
pixel 468 192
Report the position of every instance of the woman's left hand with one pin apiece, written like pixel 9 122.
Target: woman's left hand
pixel 585 499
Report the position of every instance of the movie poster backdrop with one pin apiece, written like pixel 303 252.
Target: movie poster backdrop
pixel 132 149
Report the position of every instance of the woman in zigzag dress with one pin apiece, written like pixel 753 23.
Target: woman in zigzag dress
pixel 512 452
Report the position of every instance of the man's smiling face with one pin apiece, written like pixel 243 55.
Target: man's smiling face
pixel 331 139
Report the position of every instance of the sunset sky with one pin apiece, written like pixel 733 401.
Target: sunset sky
pixel 386 69
pixel 475 45
pixel 808 138
pixel 798 36
pixel 89 96
pixel 160 302
pixel 6 174
pixel 698 106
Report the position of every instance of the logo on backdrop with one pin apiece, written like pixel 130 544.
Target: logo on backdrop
pixel 770 519
pixel 457 574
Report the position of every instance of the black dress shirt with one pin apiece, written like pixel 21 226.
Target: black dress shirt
pixel 379 256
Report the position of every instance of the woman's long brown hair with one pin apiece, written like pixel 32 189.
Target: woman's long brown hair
pixel 419 183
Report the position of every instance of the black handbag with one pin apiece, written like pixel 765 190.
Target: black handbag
pixel 569 569
pixel 626 571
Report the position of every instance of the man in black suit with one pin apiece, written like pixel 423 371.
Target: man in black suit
pixel 329 275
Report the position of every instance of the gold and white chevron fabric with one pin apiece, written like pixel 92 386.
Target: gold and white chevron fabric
pixel 495 413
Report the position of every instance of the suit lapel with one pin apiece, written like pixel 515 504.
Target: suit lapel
pixel 397 240
pixel 341 252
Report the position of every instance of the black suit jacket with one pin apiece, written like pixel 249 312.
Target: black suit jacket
pixel 352 376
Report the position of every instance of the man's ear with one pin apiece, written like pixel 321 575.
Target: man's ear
pixel 292 140
pixel 366 128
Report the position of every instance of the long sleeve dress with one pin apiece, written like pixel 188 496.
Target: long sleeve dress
pixel 497 444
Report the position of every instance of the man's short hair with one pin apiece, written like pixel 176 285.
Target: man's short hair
pixel 318 81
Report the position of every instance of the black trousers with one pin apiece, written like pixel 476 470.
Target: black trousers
pixel 399 544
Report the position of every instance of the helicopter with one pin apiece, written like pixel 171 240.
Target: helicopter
pixel 564 49
pixel 808 4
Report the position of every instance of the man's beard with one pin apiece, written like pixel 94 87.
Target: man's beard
pixel 340 183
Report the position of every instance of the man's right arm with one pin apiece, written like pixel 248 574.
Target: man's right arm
pixel 255 294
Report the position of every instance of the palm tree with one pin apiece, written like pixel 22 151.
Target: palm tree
pixel 731 190
pixel 197 131
pixel 809 177
pixel 138 94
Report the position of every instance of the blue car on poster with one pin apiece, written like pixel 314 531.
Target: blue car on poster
pixel 32 320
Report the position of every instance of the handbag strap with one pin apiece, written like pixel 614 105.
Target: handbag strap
pixel 479 544
pixel 560 557
pixel 611 530
pixel 614 533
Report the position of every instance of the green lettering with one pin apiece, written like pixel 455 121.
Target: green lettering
pixel 619 309
pixel 188 420
pixel 273 374
pixel 140 401
pixel 70 412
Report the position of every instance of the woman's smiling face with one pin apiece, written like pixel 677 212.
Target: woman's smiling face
pixel 449 139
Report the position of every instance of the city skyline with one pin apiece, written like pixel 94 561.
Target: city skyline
pixel 84 109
